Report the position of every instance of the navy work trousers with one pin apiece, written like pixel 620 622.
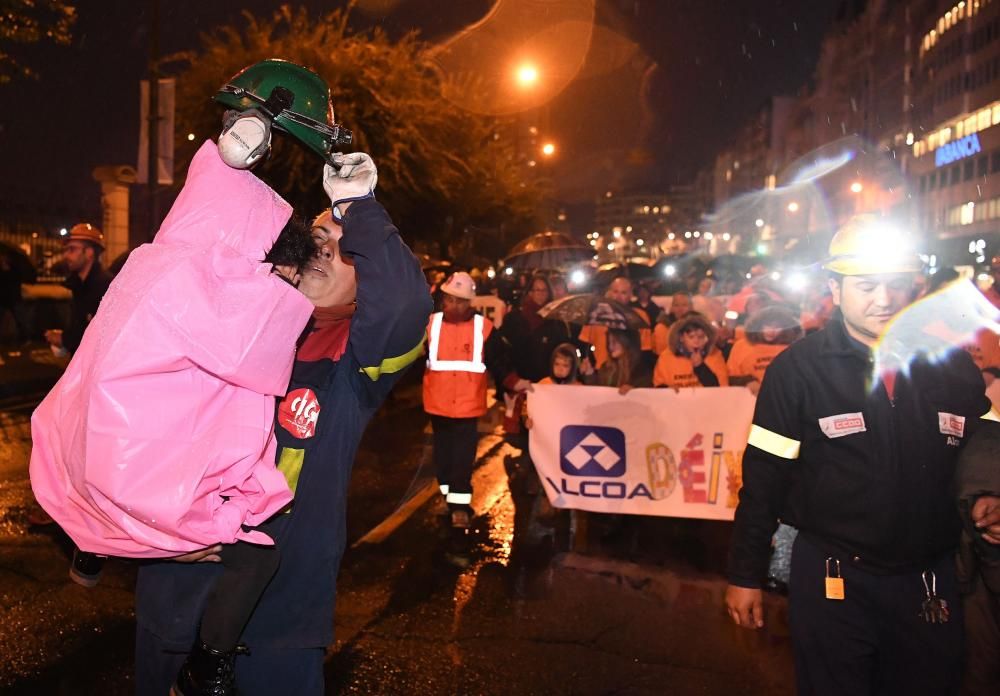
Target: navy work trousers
pixel 455 443
pixel 874 641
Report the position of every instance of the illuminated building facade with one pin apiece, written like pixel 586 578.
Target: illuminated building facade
pixel 954 140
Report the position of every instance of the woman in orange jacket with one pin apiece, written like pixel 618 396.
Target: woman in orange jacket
pixel 691 358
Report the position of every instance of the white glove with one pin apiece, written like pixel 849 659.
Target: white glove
pixel 354 181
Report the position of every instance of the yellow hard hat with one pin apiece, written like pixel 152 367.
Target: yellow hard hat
pixel 85 232
pixel 869 245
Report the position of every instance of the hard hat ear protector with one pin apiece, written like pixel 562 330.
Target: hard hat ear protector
pixel 245 138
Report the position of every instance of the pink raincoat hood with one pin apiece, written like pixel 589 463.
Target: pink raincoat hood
pixel 158 439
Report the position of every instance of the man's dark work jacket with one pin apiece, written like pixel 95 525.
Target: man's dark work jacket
pixel 867 479
pixel 331 403
pixel 87 295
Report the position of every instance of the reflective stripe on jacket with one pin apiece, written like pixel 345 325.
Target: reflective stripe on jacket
pixel 455 378
pixel 866 478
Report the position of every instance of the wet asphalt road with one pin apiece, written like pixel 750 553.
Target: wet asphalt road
pixel 523 603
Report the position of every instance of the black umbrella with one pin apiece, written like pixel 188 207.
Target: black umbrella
pixel 547 250
pixel 634 270
pixel 590 308
pixel 20 264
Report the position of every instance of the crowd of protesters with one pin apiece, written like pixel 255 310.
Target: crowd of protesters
pixel 633 338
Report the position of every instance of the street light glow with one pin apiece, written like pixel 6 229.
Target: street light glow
pixel 527 75
pixel 759 222
pixel 190 136
pixel 548 149
pixel 856 187
pixel 793 207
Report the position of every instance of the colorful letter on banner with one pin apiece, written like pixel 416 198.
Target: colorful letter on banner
pixel 649 452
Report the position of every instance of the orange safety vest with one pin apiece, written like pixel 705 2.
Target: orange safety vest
pixel 455 378
pixel 677 371
pixel 751 359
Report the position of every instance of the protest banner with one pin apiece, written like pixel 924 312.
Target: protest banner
pixel 648 452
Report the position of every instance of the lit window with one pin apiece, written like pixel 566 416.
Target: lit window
pixel 983 119
pixel 996 115
pixel 932 141
pixel 967 214
pixel 945 135
pixel 959 129
pixel 941 26
pixel 909 138
pixel 970 125
pixel 729 175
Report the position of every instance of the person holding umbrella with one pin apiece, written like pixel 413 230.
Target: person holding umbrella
pixel 595 333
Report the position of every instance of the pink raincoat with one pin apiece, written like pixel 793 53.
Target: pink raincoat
pixel 168 405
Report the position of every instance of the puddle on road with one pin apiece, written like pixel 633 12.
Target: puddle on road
pixel 491 537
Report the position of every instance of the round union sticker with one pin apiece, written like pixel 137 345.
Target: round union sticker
pixel 298 413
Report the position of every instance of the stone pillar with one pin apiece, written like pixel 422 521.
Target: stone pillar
pixel 114 180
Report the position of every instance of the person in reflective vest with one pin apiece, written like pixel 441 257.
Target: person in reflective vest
pixel 460 346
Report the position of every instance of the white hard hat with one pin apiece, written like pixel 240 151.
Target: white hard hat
pixel 460 285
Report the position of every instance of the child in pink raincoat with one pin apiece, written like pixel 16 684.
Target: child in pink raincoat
pixel 158 439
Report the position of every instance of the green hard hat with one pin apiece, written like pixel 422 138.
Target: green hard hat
pixel 297 98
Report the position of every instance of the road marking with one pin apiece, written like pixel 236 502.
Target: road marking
pixel 390 524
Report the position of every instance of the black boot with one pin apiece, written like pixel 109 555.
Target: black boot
pixel 207 672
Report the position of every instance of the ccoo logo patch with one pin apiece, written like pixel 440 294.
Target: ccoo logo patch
pixel 590 450
pixel 298 413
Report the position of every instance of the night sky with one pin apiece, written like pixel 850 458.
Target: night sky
pixel 717 62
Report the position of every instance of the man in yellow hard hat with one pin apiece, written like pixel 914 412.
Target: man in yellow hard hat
pixel 87 280
pixel 862 465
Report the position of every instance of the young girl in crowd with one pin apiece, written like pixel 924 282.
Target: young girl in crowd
pixel 564 369
pixel 565 366
pixel 627 365
pixel 691 358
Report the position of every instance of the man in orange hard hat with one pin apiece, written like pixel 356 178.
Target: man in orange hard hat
pixel 87 280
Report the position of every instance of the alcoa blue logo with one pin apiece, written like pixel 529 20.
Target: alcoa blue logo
pixel 592 451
